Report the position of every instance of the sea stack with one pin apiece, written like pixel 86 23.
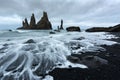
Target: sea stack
pixel 61 26
pixel 25 24
pixel 42 24
pixel 32 22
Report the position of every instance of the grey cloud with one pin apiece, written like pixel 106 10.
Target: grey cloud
pixel 79 12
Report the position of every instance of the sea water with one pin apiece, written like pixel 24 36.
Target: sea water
pixel 30 61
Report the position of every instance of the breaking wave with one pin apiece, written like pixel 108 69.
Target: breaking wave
pixel 20 60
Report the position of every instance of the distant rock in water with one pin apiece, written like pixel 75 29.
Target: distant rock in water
pixel 43 24
pixel 73 28
pixel 61 26
pixel 10 30
pixel 115 28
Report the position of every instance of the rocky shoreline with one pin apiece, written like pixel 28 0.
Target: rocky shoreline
pixel 111 71
pixel 115 28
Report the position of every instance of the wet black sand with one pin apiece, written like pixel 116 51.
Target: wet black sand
pixel 111 71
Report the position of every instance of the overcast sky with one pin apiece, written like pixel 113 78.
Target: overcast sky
pixel 73 12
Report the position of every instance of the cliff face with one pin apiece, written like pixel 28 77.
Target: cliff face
pixel 43 24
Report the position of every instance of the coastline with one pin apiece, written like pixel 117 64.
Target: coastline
pixel 111 71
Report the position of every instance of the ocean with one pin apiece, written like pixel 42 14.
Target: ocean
pixel 30 54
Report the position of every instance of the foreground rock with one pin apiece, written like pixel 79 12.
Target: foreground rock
pixel 111 71
pixel 90 61
pixel 73 28
pixel 30 41
pixel 115 28
pixel 42 24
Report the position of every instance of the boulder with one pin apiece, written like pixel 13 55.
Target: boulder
pixel 30 41
pixel 73 59
pixel 90 61
pixel 93 61
pixel 73 28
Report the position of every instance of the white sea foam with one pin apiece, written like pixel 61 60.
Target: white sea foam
pixel 28 61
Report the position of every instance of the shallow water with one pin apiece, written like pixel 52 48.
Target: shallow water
pixel 29 61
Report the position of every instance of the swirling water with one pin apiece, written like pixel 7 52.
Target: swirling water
pixel 30 61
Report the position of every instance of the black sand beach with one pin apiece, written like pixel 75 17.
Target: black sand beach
pixel 111 71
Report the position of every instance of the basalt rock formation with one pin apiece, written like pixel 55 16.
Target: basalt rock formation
pixel 25 23
pixel 42 24
pixel 32 22
pixel 115 28
pixel 61 26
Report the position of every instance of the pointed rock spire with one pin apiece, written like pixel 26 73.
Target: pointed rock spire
pixel 32 22
pixel 61 26
pixel 45 15
pixel 58 28
pixel 44 23
pixel 26 25
pixel 23 23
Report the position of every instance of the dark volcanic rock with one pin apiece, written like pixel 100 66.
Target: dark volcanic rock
pixel 97 29
pixel 89 60
pixel 115 28
pixel 73 59
pixel 58 29
pixel 25 24
pixel 111 71
pixel 32 22
pixel 10 30
pixel 94 61
pixel 61 26
pixel 44 23
pixel 73 28
pixel 52 32
pixel 30 41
